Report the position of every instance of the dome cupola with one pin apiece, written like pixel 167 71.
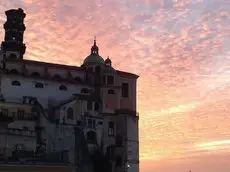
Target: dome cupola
pixel 94 57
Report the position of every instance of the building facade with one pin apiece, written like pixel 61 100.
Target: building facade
pixel 42 104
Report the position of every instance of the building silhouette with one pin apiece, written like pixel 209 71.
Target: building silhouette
pixel 43 104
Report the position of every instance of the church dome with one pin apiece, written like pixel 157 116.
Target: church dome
pixel 108 67
pixel 94 57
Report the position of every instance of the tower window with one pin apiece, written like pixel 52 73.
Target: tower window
pixel 70 113
pixel 39 85
pixel 63 88
pixel 12 56
pixel 110 80
pixel 125 90
pixel 111 128
pixel 111 92
pixel 35 74
pixel 16 83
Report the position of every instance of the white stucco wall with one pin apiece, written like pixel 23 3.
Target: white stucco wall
pixel 27 88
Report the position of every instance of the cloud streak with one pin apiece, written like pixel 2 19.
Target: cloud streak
pixel 178 47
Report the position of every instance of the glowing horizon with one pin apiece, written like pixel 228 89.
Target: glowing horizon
pixel 179 48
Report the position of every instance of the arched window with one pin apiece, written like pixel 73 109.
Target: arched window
pixel 57 77
pixel 111 92
pixel 92 137
pixel 16 83
pixel 12 56
pixel 13 71
pixel 63 88
pixel 35 74
pixel 78 79
pixel 39 85
pixel 70 113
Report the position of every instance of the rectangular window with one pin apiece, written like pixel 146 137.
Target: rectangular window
pixel 4 112
pixel 119 140
pixel 94 124
pixel 90 123
pixel 104 80
pixel 89 105
pixel 111 131
pixel 20 114
pixel 110 80
pixel 125 90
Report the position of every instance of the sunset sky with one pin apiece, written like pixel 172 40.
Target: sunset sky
pixel 180 49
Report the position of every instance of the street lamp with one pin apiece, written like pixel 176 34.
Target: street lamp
pixel 127 166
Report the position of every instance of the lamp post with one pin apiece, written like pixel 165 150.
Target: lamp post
pixel 127 166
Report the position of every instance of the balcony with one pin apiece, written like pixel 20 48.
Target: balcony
pixel 12 116
pixel 21 132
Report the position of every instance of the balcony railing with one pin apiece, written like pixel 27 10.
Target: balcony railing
pixel 21 132
pixel 12 116
pixel 20 154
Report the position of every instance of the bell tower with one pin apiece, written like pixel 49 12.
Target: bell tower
pixel 13 46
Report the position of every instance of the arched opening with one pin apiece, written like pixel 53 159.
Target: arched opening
pixel 70 113
pixel 12 56
pixel 57 77
pixel 78 79
pixel 13 71
pixel 16 83
pixel 39 85
pixel 35 74
pixel 63 88
pixel 92 137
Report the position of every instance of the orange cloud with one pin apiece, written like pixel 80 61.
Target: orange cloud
pixel 179 48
